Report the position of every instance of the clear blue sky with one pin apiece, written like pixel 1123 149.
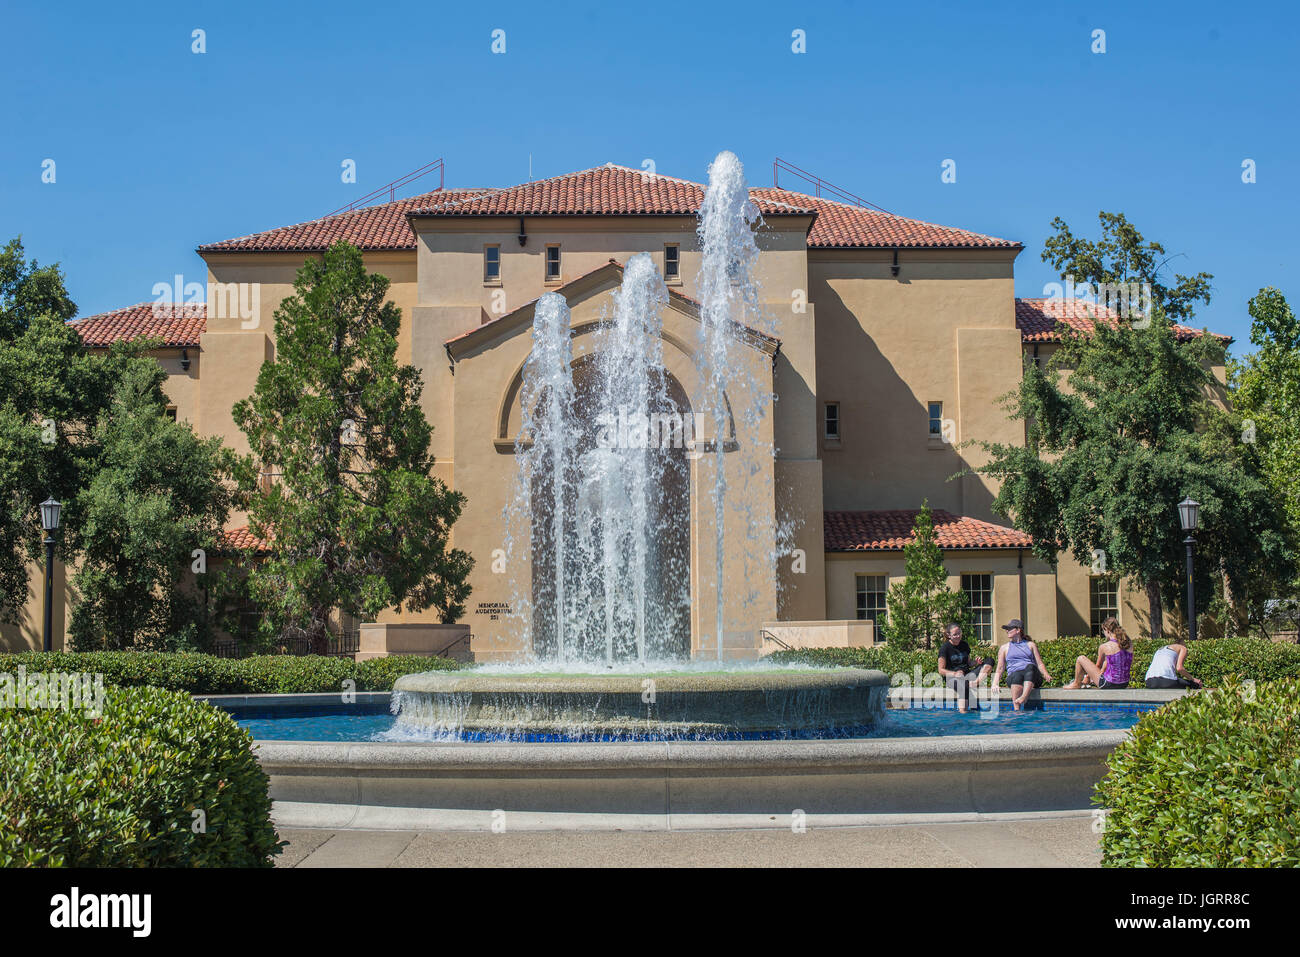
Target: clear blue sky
pixel 159 149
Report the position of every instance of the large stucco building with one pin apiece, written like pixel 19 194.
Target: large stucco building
pixel 893 341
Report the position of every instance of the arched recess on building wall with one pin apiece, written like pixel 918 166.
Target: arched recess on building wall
pixel 679 365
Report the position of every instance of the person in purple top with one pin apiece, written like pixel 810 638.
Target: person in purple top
pixel 1114 660
pixel 1020 659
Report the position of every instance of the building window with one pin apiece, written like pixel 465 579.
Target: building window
pixel 552 263
pixel 833 421
pixel 491 263
pixel 872 592
pixel 936 420
pixel 672 265
pixel 171 412
pixel 1103 602
pixel 978 590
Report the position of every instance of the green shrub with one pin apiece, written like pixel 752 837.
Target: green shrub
pixel 1212 660
pixel 207 674
pixel 121 790
pixel 1209 780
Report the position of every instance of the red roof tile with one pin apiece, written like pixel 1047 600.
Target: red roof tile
pixel 179 325
pixel 605 190
pixel 844 226
pixel 1037 319
pixel 242 539
pixel 890 530
pixel 373 227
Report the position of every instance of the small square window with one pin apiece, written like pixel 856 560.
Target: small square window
pixel 873 595
pixel 171 412
pixel 832 420
pixel 936 420
pixel 552 263
pixel 672 266
pixel 491 263
pixel 979 600
pixel 1103 602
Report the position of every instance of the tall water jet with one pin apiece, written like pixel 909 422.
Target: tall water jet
pixel 726 289
pixel 632 392
pixel 545 451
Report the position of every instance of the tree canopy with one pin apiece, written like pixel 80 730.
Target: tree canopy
pixel 356 521
pixel 922 603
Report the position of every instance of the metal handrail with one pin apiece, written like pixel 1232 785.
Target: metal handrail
pixel 768 636
pixel 392 188
pixel 820 184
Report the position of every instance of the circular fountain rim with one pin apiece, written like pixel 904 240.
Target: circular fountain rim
pixel 624 683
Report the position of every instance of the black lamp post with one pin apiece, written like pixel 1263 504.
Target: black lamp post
pixel 50 522
pixel 1189 516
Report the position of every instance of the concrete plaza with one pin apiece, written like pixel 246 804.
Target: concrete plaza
pixel 1063 841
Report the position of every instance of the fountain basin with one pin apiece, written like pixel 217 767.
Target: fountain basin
pixel 670 705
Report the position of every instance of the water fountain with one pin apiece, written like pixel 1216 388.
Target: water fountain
pixel 599 454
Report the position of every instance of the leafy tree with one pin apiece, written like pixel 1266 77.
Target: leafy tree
pixel 1266 393
pixel 158 494
pixel 53 393
pixel 1122 256
pixel 28 290
pixel 357 523
pixel 1107 459
pixel 921 604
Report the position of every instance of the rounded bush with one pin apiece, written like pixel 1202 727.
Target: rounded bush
pixel 1209 780
pixel 157 780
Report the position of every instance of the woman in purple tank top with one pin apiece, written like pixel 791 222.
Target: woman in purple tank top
pixel 1114 660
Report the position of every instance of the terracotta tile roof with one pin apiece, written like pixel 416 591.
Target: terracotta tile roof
pixel 1037 319
pixel 242 539
pixel 608 190
pixel 176 325
pixel 372 227
pixel 604 190
pixel 890 530
pixel 844 226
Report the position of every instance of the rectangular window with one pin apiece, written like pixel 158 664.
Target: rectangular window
pixel 936 420
pixel 1103 602
pixel 171 412
pixel 491 263
pixel 552 263
pixel 872 593
pixel 833 420
pixel 672 266
pixel 978 590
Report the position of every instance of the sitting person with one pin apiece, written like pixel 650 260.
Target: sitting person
pixel 957 666
pixel 1167 672
pixel 1023 664
pixel 1115 652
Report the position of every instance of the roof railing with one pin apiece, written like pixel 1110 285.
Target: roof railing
pixel 820 185
pixel 392 188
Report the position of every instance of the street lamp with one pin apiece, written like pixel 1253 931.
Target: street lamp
pixel 1189 516
pixel 50 523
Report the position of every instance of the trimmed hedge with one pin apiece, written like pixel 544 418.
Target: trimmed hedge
pixel 207 674
pixel 1212 660
pixel 122 790
pixel 1209 780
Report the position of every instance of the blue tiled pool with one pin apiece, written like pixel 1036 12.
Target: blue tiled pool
pixel 374 723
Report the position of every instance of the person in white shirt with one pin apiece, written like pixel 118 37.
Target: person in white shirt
pixel 1167 669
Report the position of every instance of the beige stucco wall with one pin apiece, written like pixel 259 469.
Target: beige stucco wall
pixel 1039 594
pixel 942 330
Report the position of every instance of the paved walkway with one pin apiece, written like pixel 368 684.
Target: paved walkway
pixel 1058 842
